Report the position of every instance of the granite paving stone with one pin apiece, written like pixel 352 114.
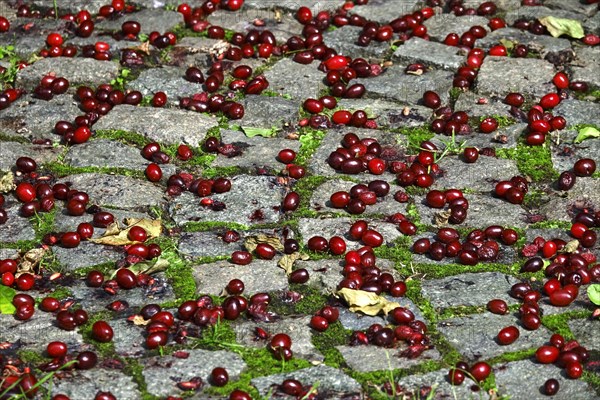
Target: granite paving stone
pixel 440 25
pixel 11 151
pixel 449 292
pixel 474 336
pixel 385 205
pixel 213 277
pixel 472 104
pixel 395 85
pixel 88 254
pixel 329 380
pixel 40 123
pixel 449 298
pixel 584 331
pixel 264 111
pixel 169 80
pixel 95 380
pixel 297 328
pixel 438 382
pixel 157 123
pixel 117 190
pixel 163 373
pixel 251 200
pixel 37 332
pixel 510 378
pixel 338 40
pixel 16 227
pixel 433 54
pixel 339 227
pixel 536 43
pixel 505 213
pixel 502 75
pixel 371 358
pixel 306 83
pixel 80 71
pixel 150 20
pixel 258 151
pixel 479 177
pixel 579 112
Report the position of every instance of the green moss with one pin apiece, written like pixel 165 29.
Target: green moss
pixel 305 188
pixel 106 268
pixel 326 342
pixel 106 349
pixel 550 225
pixel 216 337
pixel 593 379
pixel 214 172
pixel 180 275
pixel 512 356
pixel 61 293
pixel 134 369
pixel 31 357
pixel 416 136
pixel 9 138
pixel 558 323
pixel 260 362
pixel 21 245
pixel 43 223
pixel 460 311
pixel 210 225
pixel 398 251
pixel 372 382
pixel 454 94
pixel 445 270
pixel 312 300
pixel 122 136
pixel 532 161
pixel 60 170
pixel 503 121
pixel 310 139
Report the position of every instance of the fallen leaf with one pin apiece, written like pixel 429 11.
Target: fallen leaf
pixel 140 321
pixel 6 295
pixel 6 181
pixel 30 260
pixel 366 302
pixel 287 261
pixel 509 44
pixel 116 237
pixel 264 132
pixel 441 218
pixel 563 26
pixel 253 241
pixel 593 292
pixel 150 267
pixel 571 247
pixel 585 133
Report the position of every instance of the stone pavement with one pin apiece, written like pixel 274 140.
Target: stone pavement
pixel 450 297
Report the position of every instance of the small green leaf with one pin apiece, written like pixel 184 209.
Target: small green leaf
pixel 587 133
pixel 265 132
pixel 563 26
pixel 593 292
pixel 6 295
pixel 509 44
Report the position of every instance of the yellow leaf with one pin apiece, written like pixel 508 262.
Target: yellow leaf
pixel 116 237
pixel 570 247
pixel 287 261
pixel 140 321
pixel 366 302
pixel 563 26
pixel 253 241
pixel 30 260
pixel 6 182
